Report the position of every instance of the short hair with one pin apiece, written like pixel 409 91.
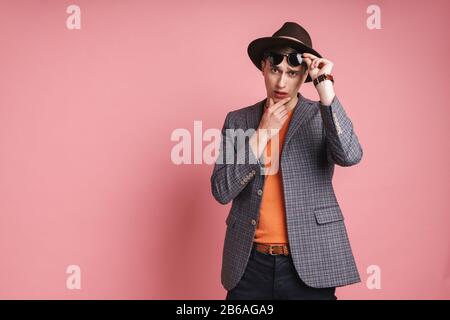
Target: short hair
pixel 283 50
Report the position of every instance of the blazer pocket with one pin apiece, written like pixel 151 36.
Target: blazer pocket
pixel 231 219
pixel 327 215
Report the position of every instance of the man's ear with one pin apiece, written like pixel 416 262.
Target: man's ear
pixel 263 62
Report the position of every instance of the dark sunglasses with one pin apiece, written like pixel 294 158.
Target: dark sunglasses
pixel 293 59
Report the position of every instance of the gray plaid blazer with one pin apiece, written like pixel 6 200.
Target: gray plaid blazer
pixel 318 137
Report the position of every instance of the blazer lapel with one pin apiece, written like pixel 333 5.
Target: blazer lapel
pixel 302 112
pixel 255 115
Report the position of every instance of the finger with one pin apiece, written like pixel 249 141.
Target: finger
pixel 322 62
pixel 283 116
pixel 309 55
pixel 279 104
pixel 281 111
pixel 276 109
pixel 316 63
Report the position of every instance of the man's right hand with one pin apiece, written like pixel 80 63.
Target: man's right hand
pixel 271 122
pixel 274 117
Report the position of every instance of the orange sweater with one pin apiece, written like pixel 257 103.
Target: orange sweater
pixel 272 219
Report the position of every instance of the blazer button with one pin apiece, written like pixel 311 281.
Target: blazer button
pixel 260 192
pixel 254 222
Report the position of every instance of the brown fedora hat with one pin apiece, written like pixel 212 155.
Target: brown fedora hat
pixel 291 35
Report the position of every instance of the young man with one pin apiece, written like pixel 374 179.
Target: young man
pixel 285 236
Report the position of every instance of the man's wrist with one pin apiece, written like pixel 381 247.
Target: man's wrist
pixel 326 92
pixel 323 77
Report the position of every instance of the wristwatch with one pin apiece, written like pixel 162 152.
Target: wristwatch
pixel 323 77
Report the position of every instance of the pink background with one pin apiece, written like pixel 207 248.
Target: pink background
pixel 86 117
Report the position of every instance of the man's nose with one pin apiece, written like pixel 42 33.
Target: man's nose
pixel 281 83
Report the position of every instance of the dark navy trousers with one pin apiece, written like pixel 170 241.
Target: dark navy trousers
pixel 273 277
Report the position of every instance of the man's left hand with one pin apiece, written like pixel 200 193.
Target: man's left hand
pixel 316 67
